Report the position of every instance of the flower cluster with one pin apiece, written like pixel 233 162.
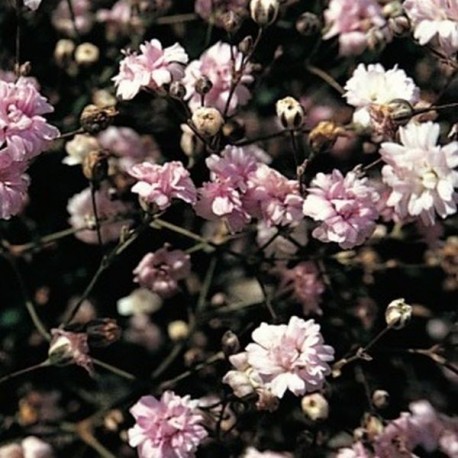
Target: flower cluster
pixel 243 188
pixel 160 271
pixel 168 427
pixel 24 133
pixel 153 68
pixel 219 64
pixel 434 21
pixel 420 173
pixel 159 184
pixel 345 206
pixel 284 357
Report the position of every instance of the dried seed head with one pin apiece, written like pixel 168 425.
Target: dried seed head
pixel 203 85
pixel 308 24
pixel 177 90
pixel 94 119
pixel 95 166
pixel 102 332
pixel 324 135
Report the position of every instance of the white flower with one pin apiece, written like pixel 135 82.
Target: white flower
pixel 420 173
pixel 140 300
pixel 375 85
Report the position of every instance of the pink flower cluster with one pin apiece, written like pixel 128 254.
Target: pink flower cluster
pixel 420 173
pixel 160 271
pixel 303 282
pixel 346 207
pixel 435 21
pixel 82 216
pixel 219 64
pixel 351 20
pixel 152 68
pixel 169 427
pixel 159 184
pixel 30 447
pixel 422 427
pixel 24 133
pixel 284 357
pixel 243 188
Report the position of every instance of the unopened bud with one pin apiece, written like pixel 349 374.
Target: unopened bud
pixel 324 135
pixel 102 332
pixel 373 426
pixel 178 330
pixel 203 85
pixel 398 314
pixel 246 45
pixel 401 111
pixel 207 121
pixel 94 119
pixel 177 90
pixel 308 24
pixel 380 399
pixel 264 12
pixel 230 343
pixel 315 406
pixel 25 69
pixel 399 25
pixel 290 113
pixel 376 39
pixel 392 9
pixel 63 52
pixel 231 22
pixel 86 54
pixel 95 166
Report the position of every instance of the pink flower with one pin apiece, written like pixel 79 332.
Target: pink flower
pixel 160 271
pixel 13 187
pixel 152 68
pixel 216 64
pixel 346 206
pixel 166 428
pixel 434 20
pixel 24 132
pixel 213 11
pixel 82 215
pixel 62 18
pixel 351 20
pixel 289 356
pixel 375 85
pixel 128 146
pixel 220 200
pixel 304 282
pixel 421 173
pixel 159 184
pixel 273 198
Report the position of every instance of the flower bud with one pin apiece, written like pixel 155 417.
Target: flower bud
pixel 178 330
pixel 380 399
pixel 103 98
pixel 392 9
pixel 207 121
pixel 95 166
pixel 324 135
pixel 373 426
pixel 399 25
pixel 94 119
pixel 308 24
pixel 315 406
pixel 376 39
pixel 63 52
pixel 69 348
pixel 231 22
pixel 230 343
pixel 203 85
pixel 290 113
pixel 246 45
pixel 177 90
pixel 264 12
pixel 398 314
pixel 401 111
pixel 102 332
pixel 266 400
pixel 86 54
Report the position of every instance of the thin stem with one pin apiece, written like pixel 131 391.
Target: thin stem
pixel 17 67
pixel 73 19
pixel 70 134
pixel 24 371
pixel 326 78
pixel 96 216
pixel 113 369
pixel 176 19
pixel 176 350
